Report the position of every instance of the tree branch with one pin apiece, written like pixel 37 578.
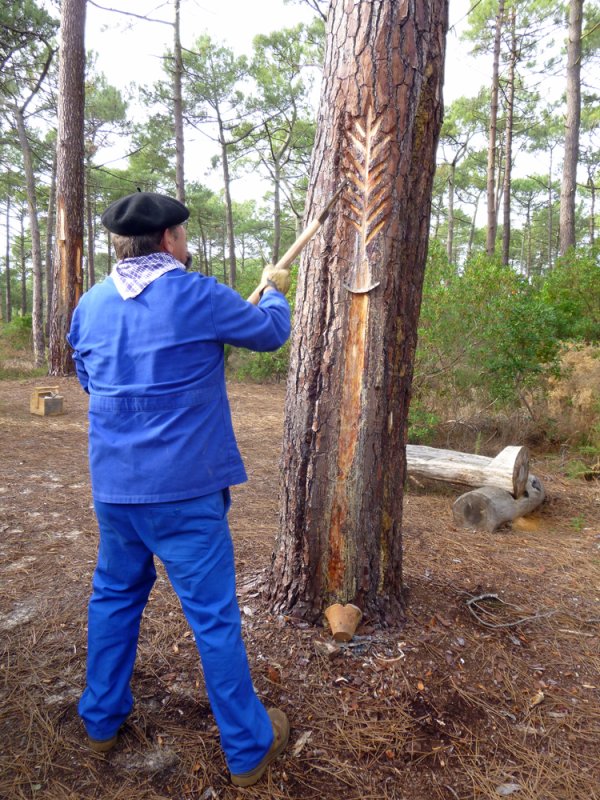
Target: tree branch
pixel 39 81
pixel 130 14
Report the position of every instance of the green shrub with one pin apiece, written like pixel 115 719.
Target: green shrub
pixel 572 290
pixel 260 367
pixel 17 332
pixel 486 339
pixel 422 423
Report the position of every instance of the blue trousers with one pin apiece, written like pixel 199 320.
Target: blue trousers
pixel 192 539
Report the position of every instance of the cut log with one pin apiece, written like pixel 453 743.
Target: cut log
pixel 489 507
pixel 508 471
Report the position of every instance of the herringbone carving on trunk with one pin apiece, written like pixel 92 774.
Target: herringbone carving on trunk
pixel 367 200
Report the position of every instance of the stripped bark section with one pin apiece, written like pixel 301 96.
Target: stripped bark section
pixel 367 204
pixel 354 364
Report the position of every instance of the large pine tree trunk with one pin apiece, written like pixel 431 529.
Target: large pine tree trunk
pixel 569 177
pixel 359 293
pixel 68 276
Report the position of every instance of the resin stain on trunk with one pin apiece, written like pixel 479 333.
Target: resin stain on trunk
pixel 366 204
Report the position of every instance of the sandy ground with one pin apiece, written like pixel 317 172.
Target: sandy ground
pixel 460 701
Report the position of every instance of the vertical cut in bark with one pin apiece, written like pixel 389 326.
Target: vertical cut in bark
pixel 359 293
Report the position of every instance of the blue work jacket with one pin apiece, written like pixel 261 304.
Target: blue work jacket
pixel 159 419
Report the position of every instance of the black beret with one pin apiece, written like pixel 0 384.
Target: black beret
pixel 143 212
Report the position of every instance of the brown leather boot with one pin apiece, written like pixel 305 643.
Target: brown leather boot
pixel 102 745
pixel 281 734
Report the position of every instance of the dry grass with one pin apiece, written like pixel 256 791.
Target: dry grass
pixel 440 707
pixel 574 399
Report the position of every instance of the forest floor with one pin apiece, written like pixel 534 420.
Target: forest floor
pixel 462 701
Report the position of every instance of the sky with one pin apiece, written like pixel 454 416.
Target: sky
pixel 129 49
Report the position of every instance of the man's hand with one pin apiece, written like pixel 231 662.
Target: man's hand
pixel 280 277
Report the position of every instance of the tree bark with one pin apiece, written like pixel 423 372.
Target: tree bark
pixel 68 276
pixel 357 307
pixel 569 177
pixel 492 214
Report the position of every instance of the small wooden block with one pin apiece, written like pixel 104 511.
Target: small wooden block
pixel 46 402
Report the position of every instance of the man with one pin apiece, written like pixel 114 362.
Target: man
pixel 148 347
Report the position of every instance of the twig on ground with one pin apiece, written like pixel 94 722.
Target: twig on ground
pixel 473 601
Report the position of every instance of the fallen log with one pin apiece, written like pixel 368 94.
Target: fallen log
pixel 508 471
pixel 489 507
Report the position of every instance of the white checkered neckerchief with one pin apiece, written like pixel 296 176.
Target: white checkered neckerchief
pixel 132 275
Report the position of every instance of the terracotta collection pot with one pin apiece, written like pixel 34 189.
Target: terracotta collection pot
pixel 343 620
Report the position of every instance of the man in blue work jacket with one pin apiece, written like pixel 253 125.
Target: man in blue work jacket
pixel 148 348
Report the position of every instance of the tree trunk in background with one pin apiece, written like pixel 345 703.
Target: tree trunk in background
pixel 23 266
pixel 7 270
pixel 228 207
pixel 37 306
pixel 276 214
pixel 569 177
pixel 68 277
pixel 178 110
pixel 550 203
pixel 49 240
pixel 357 307
pixel 527 232
pixel 473 226
pixel 492 216
pixel 592 189
pixel 91 233
pixel 450 239
pixel 510 103
pixel 224 240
